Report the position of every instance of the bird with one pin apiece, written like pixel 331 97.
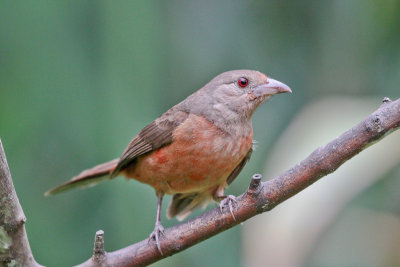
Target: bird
pixel 195 149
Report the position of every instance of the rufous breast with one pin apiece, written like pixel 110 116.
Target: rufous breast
pixel 200 157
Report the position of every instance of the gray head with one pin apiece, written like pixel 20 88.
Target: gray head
pixel 246 89
pixel 234 95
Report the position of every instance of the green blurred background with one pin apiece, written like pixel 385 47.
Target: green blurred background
pixel 78 79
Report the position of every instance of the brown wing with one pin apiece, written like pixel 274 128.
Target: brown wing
pixel 153 136
pixel 239 167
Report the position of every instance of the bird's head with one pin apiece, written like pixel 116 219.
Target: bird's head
pixel 232 97
pixel 240 91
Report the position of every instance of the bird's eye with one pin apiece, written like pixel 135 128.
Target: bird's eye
pixel 243 82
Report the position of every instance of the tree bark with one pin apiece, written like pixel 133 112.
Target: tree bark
pixel 14 245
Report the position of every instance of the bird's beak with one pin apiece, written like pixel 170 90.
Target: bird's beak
pixel 271 87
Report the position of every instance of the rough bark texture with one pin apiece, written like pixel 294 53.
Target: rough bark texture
pixel 262 196
pixel 14 245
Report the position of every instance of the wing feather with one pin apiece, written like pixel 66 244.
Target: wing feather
pixel 155 135
pixel 239 167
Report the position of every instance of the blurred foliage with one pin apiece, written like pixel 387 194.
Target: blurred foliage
pixel 78 79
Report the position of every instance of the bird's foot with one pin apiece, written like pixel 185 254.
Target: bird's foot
pixel 155 235
pixel 229 199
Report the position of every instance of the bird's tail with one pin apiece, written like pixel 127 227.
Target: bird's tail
pixel 86 178
pixel 183 204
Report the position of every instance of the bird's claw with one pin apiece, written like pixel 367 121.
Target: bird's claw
pixel 229 199
pixel 155 235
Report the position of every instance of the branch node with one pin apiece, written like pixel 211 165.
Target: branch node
pixel 254 187
pixel 14 225
pixel 99 254
pixel 374 123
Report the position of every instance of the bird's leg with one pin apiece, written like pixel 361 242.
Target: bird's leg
pixel 224 200
pixel 158 229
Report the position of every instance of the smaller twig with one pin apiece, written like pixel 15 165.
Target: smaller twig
pixel 98 250
pixel 386 100
pixel 99 257
pixel 255 183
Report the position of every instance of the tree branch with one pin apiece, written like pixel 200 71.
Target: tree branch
pixel 261 196
pixel 14 245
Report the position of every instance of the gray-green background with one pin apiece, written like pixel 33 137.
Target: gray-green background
pixel 78 79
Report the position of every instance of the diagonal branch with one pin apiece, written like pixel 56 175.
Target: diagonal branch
pixel 14 245
pixel 261 196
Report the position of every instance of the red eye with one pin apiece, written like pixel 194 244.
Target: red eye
pixel 243 82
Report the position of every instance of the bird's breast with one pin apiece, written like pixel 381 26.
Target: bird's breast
pixel 200 157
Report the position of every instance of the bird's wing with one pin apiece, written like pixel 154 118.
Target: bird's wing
pixel 239 167
pixel 153 136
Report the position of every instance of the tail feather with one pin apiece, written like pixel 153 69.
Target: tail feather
pixel 86 178
pixel 183 204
